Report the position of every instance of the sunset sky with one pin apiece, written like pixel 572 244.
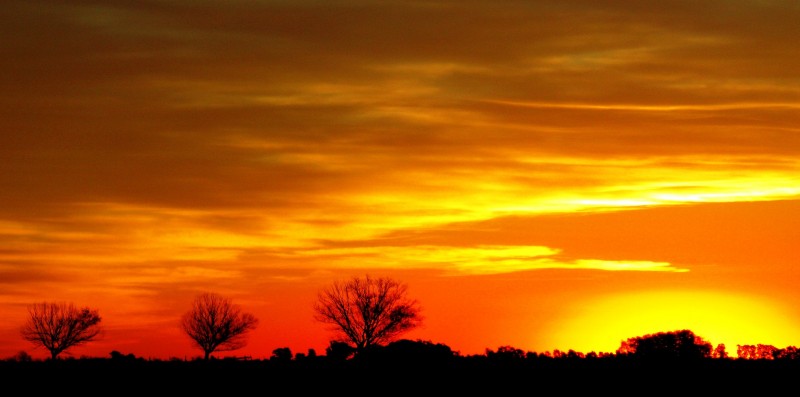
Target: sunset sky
pixel 547 175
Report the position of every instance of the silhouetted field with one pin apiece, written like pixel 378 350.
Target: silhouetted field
pixel 658 364
pixel 392 374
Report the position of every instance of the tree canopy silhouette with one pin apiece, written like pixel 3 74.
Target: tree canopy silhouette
pixel 215 324
pixel 682 344
pixel 367 311
pixel 60 326
pixel 338 350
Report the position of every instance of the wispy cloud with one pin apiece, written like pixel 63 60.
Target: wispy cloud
pixel 455 260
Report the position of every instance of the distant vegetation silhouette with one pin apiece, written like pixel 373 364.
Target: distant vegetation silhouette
pixel 415 366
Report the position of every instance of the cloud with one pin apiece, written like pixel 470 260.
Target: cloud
pixel 143 133
pixel 477 260
pixel 287 108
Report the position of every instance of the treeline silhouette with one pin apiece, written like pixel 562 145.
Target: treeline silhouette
pixel 681 346
pixel 668 359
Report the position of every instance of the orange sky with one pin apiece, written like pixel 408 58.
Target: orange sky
pixel 541 174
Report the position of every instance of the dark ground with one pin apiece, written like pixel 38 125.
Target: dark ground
pixel 81 377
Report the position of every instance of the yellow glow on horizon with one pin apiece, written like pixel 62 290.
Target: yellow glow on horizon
pixel 602 325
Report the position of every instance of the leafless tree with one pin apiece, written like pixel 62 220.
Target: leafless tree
pixel 367 311
pixel 215 324
pixel 60 326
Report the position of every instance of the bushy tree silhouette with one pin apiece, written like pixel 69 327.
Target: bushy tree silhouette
pixel 719 351
pixel 409 353
pixel 22 356
pixel 788 353
pixel 60 326
pixel 756 352
pixel 367 311
pixel 215 324
pixel 282 354
pixel 682 344
pixel 339 351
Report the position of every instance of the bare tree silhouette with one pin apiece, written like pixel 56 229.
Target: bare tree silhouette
pixel 60 326
pixel 367 311
pixel 215 324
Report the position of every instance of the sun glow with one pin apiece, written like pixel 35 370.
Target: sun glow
pixel 718 318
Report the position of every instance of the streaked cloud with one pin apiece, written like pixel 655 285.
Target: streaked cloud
pixel 469 260
pixel 169 131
